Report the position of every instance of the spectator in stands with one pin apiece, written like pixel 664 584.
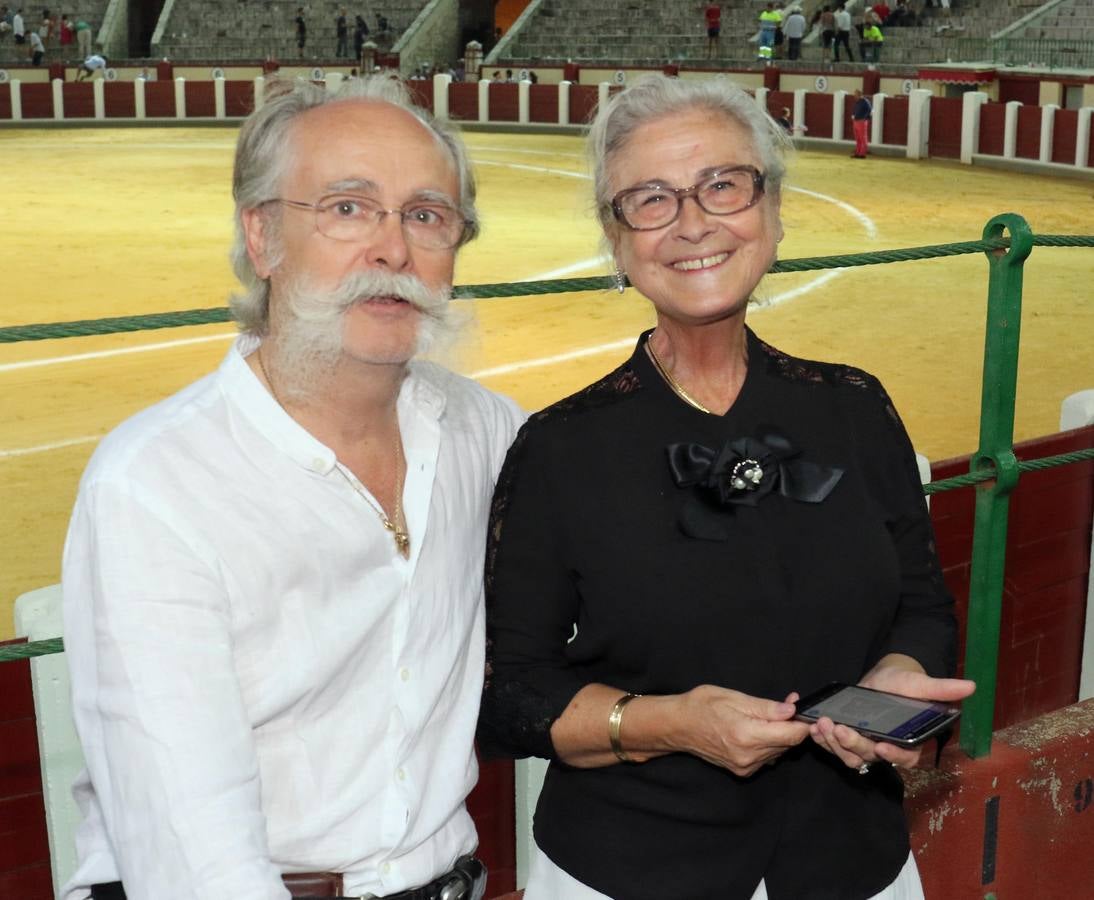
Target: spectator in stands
pixel 301 32
pixel 94 63
pixel 18 27
pixel 843 33
pixel 900 15
pixel 83 38
pixel 794 29
pixel 828 30
pixel 66 34
pixel 770 20
pixel 862 114
pixel 508 76
pixel 341 33
pixel 712 16
pixel 785 121
pixel 360 32
pixel 660 512
pixel 268 649
pixel 47 28
pixel 36 48
pixel 6 16
pixel 868 18
pixel 882 11
pixel 872 39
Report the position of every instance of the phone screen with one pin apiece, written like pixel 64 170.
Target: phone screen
pixel 899 718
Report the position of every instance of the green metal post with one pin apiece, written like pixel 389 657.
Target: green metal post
pixel 992 497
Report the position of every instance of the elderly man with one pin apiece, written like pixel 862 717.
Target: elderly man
pixel 272 580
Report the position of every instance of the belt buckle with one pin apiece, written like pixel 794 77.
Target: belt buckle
pixel 467 881
pixel 457 888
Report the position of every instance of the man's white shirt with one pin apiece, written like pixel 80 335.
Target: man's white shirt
pixel 261 683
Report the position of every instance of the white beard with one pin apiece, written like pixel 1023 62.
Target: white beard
pixel 311 334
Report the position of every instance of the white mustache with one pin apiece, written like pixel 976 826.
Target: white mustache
pixel 360 287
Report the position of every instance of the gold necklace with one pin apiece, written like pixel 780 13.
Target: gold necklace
pixel 672 382
pixel 396 524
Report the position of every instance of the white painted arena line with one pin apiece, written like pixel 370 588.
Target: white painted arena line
pixel 552 360
pixel 118 351
pixel 522 167
pixel 525 151
pixel 45 448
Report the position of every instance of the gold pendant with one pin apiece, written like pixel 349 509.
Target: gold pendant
pixel 402 542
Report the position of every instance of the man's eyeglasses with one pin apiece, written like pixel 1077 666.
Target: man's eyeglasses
pixel 429 224
pixel 727 191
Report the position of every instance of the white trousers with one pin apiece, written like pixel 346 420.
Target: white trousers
pixel 546 881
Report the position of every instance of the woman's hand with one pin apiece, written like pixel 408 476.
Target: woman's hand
pixel 897 674
pixel 735 731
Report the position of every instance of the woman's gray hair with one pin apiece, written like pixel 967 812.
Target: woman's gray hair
pixel 657 96
pixel 263 155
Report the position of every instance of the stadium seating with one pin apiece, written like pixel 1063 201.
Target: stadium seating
pixel 213 29
pixel 91 11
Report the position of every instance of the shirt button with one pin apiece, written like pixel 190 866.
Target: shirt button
pixel 385 868
pixel 318 465
pixel 400 774
pixel 404 673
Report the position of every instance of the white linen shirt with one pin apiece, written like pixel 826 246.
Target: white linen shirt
pixel 261 683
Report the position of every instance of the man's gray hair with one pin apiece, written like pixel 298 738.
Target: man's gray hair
pixel 657 96
pixel 263 155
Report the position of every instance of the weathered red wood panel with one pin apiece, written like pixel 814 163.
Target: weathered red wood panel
pixel 992 126
pixel 492 805
pixel 583 99
pixel 945 134
pixel 201 101
pixel 818 115
pixel 503 102
pixel 1028 145
pixel 422 92
pixel 78 100
pixel 24 845
pixel 1047 571
pixel 37 101
pixel 463 100
pixel 239 97
pixel 1065 129
pixel 159 99
pixel 543 103
pixel 119 100
pixel 895 127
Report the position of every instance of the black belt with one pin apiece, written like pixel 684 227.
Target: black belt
pixel 466 881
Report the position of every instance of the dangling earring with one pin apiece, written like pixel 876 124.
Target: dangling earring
pixel 620 279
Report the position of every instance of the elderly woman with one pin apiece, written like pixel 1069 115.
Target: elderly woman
pixel 681 548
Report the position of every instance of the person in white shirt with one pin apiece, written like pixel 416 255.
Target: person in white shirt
pixel 90 66
pixel 794 29
pixel 843 33
pixel 36 49
pixel 273 579
pixel 18 28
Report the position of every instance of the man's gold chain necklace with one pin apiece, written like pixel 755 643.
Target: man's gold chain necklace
pixel 396 524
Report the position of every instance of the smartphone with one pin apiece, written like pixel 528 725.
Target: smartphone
pixel 878 715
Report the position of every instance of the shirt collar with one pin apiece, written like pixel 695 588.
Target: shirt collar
pixel 419 395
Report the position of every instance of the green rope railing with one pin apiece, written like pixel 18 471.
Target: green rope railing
pixel 219 315
pixel 46 647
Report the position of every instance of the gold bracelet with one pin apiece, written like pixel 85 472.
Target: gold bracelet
pixel 615 722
